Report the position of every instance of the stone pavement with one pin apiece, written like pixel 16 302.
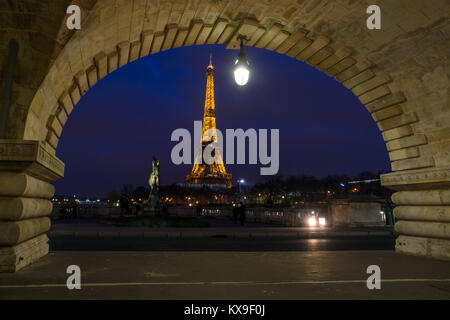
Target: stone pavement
pixel 230 275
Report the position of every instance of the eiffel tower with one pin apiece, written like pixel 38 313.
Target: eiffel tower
pixel 217 173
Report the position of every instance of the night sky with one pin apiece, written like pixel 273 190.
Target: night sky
pixel 128 117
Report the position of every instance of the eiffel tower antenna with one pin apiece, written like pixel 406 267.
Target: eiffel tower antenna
pixel 210 61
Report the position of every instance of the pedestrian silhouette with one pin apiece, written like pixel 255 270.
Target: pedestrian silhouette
pixel 199 210
pixel 235 211
pixel 241 211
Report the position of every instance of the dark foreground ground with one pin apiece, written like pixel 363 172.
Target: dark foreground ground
pixel 227 262
pixel 230 275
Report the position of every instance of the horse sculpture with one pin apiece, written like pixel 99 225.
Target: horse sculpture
pixel 154 177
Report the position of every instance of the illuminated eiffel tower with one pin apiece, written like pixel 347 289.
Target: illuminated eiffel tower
pixel 217 173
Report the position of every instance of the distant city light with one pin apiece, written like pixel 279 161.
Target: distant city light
pixel 312 222
pixel 322 222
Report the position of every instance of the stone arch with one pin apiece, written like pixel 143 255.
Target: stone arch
pixel 82 63
pixel 377 66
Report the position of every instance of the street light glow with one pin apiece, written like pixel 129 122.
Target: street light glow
pixel 241 66
pixel 241 74
pixel 322 222
pixel 312 222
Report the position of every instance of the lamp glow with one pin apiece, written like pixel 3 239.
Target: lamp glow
pixel 241 75
pixel 241 66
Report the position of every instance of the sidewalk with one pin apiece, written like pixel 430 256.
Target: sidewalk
pixel 230 276
pixel 219 228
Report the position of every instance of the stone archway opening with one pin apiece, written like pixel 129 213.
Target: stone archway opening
pixel 234 99
pixel 386 71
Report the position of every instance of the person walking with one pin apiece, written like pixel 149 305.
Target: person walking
pixel 235 211
pixel 242 213
pixel 74 208
pixel 123 205
pixel 199 210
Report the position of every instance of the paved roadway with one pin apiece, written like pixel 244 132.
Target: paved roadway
pixel 221 244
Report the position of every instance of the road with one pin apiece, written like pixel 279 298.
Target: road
pixel 221 244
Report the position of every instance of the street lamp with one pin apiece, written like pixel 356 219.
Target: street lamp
pixel 241 66
pixel 240 182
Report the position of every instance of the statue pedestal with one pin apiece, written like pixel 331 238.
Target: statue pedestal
pixel 153 201
pixel 153 211
pixel 154 208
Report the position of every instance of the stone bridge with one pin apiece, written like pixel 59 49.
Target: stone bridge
pixel 399 73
